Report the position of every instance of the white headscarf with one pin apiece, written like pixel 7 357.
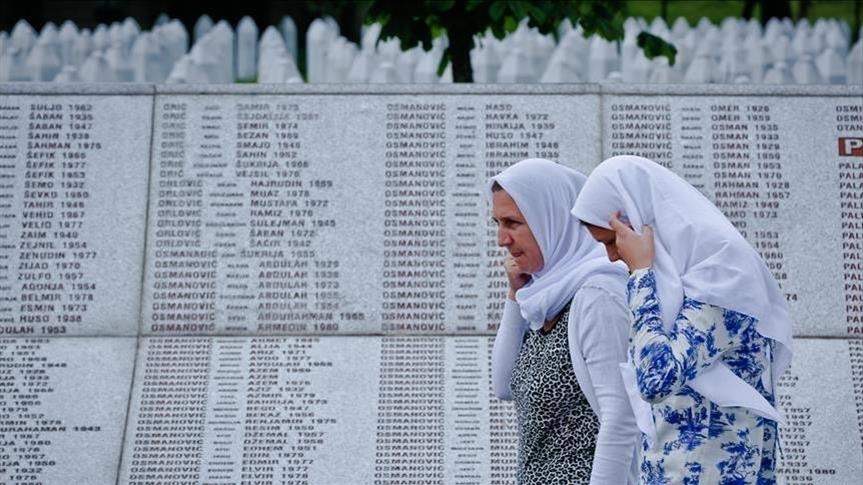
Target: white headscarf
pixel 699 254
pixel 544 192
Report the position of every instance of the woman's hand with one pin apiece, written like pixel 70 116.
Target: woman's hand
pixel 636 250
pixel 517 278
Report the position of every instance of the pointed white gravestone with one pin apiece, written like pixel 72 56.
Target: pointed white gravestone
pixel 222 42
pixel 247 49
pixel 44 62
pixel 202 26
pixel 69 74
pixel 14 65
pixel 778 74
pixel 161 20
pixel 484 63
pixel 174 39
pixel 82 48
pixel 67 37
pixel 363 67
pixel 96 69
pixel 150 60
pixel 317 40
pixel 854 66
pixel 101 40
pixel 636 71
pixel 385 74
pixel 120 62
pixel 289 34
pixel 516 68
pixel 661 72
pixel 340 58
pixel 23 37
pixel 603 59
pixel 407 62
pixel 563 66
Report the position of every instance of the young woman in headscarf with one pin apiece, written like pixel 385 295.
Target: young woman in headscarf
pixel 710 333
pixel 563 334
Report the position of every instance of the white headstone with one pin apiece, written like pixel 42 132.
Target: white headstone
pixel 602 60
pixel 81 48
pixel 67 37
pixel 223 39
pixel 69 74
pixel 161 20
pixel 385 74
pixel 700 70
pixel 101 40
pixel 637 70
pixel 23 36
pixel 317 41
pixel 363 67
pixel 96 69
pixel 661 72
pixel 340 58
pixel 120 62
pixel 289 33
pixel 854 65
pixel 516 68
pixel 407 62
pixel 43 62
pixel 202 26
pixel 247 49
pixel 150 60
pixel 778 74
pixel 13 65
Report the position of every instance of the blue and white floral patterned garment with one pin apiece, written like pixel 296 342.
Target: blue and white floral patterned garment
pixel 698 442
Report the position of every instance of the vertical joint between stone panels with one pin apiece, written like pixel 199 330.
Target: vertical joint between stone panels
pixel 146 247
pixel 140 313
pixel 138 343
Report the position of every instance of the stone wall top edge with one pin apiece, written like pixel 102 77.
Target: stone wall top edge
pixel 84 89
pixel 382 89
pixel 729 90
pixel 32 88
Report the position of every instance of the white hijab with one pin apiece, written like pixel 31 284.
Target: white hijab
pixel 544 192
pixel 699 254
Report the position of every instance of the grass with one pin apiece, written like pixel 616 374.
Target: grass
pixel 693 10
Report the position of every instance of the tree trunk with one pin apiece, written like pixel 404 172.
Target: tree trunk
pixel 855 35
pixel 774 8
pixel 803 11
pixel 748 9
pixel 460 43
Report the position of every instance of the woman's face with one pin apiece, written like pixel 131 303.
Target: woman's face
pixel 514 234
pixel 607 237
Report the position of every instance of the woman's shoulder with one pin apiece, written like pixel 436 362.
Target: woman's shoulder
pixel 602 286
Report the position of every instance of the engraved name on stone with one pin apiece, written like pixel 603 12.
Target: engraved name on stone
pixel 64 188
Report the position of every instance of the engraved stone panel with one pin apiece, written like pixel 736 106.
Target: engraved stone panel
pixel 337 409
pixel 63 408
pixel 339 214
pixel 820 396
pixel 73 188
pixel 784 170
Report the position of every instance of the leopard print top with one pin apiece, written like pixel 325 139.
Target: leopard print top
pixel 556 427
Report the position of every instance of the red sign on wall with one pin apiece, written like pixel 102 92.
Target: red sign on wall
pixel 851 147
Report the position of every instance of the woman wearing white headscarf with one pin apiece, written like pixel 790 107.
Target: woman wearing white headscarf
pixel 710 334
pixel 563 334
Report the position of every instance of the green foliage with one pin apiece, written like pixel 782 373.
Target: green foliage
pixel 654 46
pixel 417 22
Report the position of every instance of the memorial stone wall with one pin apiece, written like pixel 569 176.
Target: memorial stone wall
pixel 301 284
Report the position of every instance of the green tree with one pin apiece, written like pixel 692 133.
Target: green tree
pixel 417 22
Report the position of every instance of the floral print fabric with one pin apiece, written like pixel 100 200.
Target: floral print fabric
pixel 697 441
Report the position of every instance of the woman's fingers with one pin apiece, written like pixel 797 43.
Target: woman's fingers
pixel 616 225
